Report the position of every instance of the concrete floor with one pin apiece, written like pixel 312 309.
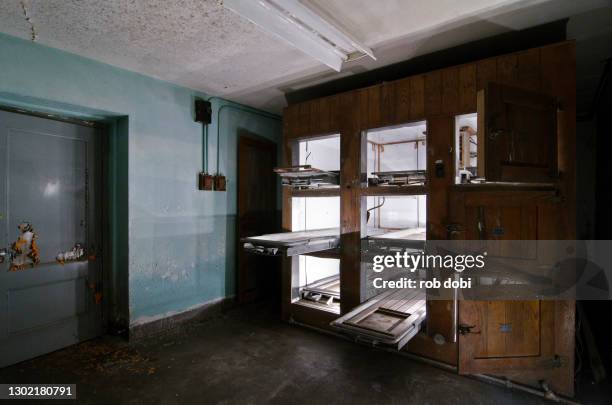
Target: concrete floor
pixel 246 356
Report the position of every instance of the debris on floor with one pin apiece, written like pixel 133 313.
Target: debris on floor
pixel 101 357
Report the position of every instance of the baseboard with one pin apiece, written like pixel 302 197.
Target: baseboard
pixel 173 321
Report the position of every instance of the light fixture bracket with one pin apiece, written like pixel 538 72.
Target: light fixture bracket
pixel 300 26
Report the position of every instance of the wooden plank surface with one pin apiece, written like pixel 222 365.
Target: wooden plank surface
pixel 314 192
pixel 507 69
pixel 388 104
pixel 304 119
pixel 323 117
pixel 316 118
pixel 374 113
pixel 486 72
pixel 352 164
pixel 417 97
pixel 394 190
pixel 450 91
pixel 467 88
pixel 402 101
pixel 440 139
pixel 433 93
pixel 529 70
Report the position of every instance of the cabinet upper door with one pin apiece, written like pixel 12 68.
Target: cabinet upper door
pixel 520 135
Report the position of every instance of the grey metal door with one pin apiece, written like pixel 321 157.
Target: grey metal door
pixel 50 277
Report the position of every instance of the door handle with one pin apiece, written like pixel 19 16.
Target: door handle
pixel 4 254
pixel 466 329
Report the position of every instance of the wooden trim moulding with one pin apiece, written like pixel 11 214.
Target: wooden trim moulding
pixel 393 190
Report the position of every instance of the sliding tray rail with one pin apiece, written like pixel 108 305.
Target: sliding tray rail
pixel 325 291
pixel 411 240
pixel 398 178
pixel 390 319
pixel 306 176
pixel 293 243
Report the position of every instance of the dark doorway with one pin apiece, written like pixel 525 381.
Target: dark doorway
pixel 257 276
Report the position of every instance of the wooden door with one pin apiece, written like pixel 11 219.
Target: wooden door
pixel 519 141
pixel 257 215
pixel 524 341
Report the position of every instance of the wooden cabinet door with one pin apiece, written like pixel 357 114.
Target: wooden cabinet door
pixel 520 135
pixel 524 341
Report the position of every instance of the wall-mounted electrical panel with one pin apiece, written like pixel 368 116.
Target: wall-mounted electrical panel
pixel 203 111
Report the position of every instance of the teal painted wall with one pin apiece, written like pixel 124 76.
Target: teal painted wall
pixel 177 246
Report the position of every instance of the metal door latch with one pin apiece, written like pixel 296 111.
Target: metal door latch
pixel 454 229
pixel 465 329
pixel 4 254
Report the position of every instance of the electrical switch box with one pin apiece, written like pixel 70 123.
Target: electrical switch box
pixel 205 181
pixel 220 182
pixel 203 111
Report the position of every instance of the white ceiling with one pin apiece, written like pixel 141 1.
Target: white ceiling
pixel 202 45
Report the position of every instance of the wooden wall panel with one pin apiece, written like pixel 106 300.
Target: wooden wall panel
pixel 324 116
pixel 286 153
pixel 417 97
pixel 303 125
pixel 450 91
pixel 529 76
pixel 433 93
pixel 486 71
pixel 352 156
pixel 467 88
pixel 559 79
pixel 558 75
pixel 374 114
pixel 362 99
pixel 334 113
pixel 290 120
pixel 315 126
pixel 402 101
pixel 440 131
pixel 507 69
pixel 388 104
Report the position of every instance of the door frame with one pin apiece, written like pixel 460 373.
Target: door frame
pixel 104 130
pixel 256 140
